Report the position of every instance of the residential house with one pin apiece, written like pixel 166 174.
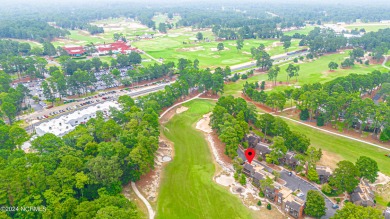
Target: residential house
pixel 241 155
pixel 282 195
pixel 386 213
pixel 252 139
pixel 323 173
pixel 270 193
pixel 257 177
pixel 289 160
pixel 363 195
pixel 248 170
pixel 294 206
pixel 259 174
pixel 262 150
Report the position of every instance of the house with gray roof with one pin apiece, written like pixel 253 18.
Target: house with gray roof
pixel 363 195
pixel 324 173
pixel 386 213
pixel 262 150
pixel 248 170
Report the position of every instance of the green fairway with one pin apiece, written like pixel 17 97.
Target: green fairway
pixel 346 148
pixel 305 31
pixel 187 188
pixel 369 27
pixel 180 43
pixel 310 72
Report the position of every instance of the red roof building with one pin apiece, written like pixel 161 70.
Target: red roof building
pixel 116 47
pixel 74 50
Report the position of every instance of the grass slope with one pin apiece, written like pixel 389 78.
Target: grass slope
pixel 346 148
pixel 187 189
pixel 310 72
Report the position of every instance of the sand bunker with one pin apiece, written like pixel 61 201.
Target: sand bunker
pixel 203 124
pixel 166 159
pixel 191 49
pixel 181 109
pixel 225 180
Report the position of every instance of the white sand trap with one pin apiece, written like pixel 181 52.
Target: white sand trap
pixel 191 49
pixel 181 109
pixel 225 180
pixel 173 35
pixel 166 159
pixel 247 53
pixel 193 38
pixel 254 208
pixel 203 124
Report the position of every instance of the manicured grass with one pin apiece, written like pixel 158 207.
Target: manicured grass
pixel 180 43
pixel 310 72
pixel 348 149
pixel 304 30
pixel 369 27
pixel 187 188
pixel 163 18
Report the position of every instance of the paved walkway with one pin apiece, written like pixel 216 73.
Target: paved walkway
pixel 334 133
pixel 150 209
pixel 384 62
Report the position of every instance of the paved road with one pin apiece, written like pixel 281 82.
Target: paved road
pixel 294 182
pixel 31 118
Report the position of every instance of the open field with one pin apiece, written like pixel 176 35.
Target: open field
pixel 304 30
pixel 347 149
pixel 163 18
pixel 310 72
pixel 180 43
pixel 187 187
pixel 128 27
pixel 369 27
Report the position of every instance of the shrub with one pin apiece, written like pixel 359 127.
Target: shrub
pixel 295 60
pixel 388 204
pixel 243 179
pixel 338 200
pixel 244 76
pixel 261 194
pixel 326 188
pixel 367 62
pixel 320 120
pixel 304 115
pixel 259 203
pixel 269 206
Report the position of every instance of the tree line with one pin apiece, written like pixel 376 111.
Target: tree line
pixel 338 102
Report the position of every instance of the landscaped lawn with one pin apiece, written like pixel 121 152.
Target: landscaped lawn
pixel 369 27
pixel 180 43
pixel 304 30
pixel 187 187
pixel 310 72
pixel 346 148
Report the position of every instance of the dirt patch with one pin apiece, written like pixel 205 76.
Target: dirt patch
pixel 215 49
pixel 150 183
pixel 181 109
pixel 329 159
pixel 191 49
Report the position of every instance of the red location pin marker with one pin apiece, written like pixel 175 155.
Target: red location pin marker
pixel 250 154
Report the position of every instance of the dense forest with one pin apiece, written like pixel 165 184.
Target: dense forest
pixel 79 175
pixel 254 18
